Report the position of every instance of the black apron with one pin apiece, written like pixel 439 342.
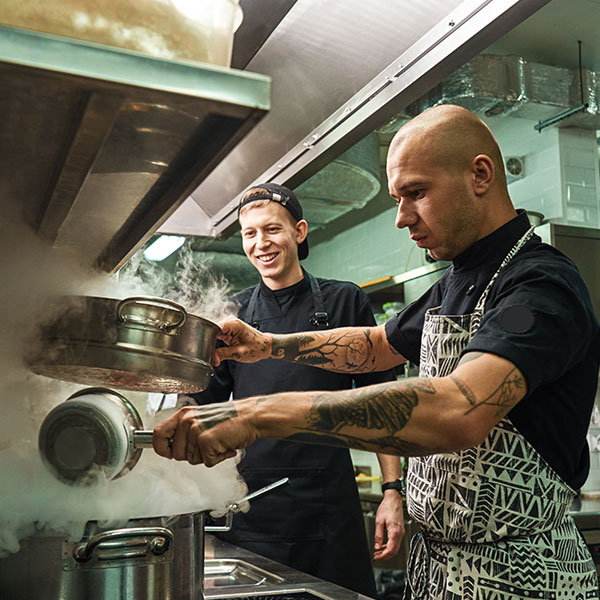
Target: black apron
pixel 315 523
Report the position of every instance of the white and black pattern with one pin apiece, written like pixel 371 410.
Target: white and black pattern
pixel 495 518
pixel 442 341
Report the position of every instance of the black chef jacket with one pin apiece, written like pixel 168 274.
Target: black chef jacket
pixel 314 523
pixel 554 342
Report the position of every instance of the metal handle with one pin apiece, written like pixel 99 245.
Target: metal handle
pixel 161 542
pixel 226 527
pixel 165 326
pixel 234 507
pixel 142 438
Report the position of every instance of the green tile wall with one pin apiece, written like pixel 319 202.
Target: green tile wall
pixel 366 251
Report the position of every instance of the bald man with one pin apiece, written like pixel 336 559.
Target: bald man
pixel 495 424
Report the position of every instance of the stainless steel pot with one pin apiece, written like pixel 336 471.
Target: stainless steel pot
pixel 139 343
pixel 94 428
pixel 147 559
pixel 159 558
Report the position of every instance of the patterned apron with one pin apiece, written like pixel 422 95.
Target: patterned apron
pixel 495 518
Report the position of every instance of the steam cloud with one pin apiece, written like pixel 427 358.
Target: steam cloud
pixel 31 499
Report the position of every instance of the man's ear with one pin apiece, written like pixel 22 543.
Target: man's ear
pixel 482 174
pixel 301 231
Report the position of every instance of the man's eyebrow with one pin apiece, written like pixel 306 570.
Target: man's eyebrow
pixel 411 184
pixel 269 224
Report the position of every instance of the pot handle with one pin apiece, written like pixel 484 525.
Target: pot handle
pixel 166 326
pixel 142 438
pixel 234 507
pixel 162 540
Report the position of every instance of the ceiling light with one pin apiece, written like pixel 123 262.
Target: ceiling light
pixel 163 246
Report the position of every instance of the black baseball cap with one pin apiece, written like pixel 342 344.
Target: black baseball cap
pixel 284 196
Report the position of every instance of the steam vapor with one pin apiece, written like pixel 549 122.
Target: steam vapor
pixel 31 499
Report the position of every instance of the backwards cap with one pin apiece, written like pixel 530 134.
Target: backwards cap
pixel 284 196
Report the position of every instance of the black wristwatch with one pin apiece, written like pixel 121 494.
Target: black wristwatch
pixel 397 485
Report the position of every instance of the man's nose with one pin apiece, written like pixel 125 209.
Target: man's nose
pixel 404 216
pixel 262 239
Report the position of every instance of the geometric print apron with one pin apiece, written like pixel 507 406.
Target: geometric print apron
pixel 494 519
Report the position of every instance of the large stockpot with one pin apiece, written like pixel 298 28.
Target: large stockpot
pixel 147 559
pixel 139 343
pixel 160 558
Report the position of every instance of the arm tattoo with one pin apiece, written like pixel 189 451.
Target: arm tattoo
pixel 262 348
pixel 387 444
pixel 465 390
pixel 340 351
pixel 386 407
pixel 504 396
pixel 383 406
pixel 211 415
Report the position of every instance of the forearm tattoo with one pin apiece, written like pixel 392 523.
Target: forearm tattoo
pixel 505 396
pixel 384 408
pixel 465 390
pixel 386 444
pixel 342 351
pixel 212 415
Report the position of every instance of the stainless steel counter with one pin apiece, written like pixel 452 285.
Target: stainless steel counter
pixel 256 576
pixel 232 572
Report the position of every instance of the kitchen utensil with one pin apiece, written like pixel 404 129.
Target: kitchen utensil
pixel 94 428
pixel 159 558
pixel 139 343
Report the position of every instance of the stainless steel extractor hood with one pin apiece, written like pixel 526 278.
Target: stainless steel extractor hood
pixel 341 70
pixel 100 145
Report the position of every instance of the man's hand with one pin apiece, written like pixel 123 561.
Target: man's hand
pixel 203 434
pixel 390 520
pixel 247 344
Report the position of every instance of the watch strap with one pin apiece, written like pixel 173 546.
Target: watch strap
pixel 397 485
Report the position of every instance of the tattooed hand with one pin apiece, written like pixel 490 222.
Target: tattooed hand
pixel 244 343
pixel 203 434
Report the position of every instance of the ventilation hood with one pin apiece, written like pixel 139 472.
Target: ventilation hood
pixel 340 70
pixel 100 145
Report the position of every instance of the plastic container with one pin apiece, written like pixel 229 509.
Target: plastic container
pixel 199 30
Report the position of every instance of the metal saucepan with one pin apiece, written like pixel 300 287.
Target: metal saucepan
pixel 93 428
pixel 139 343
pixel 158 558
pixel 154 558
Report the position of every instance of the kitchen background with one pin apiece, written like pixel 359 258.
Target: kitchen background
pixel 525 78
pixel 320 91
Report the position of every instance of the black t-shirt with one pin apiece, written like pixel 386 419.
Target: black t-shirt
pixel 539 316
pixel 286 311
pixel 314 523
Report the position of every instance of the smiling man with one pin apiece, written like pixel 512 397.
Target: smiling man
pixel 508 348
pixel 315 523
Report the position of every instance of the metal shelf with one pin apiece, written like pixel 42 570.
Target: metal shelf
pixel 100 145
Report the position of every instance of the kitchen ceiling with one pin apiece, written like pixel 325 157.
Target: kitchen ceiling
pixel 550 36
pixel 558 21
